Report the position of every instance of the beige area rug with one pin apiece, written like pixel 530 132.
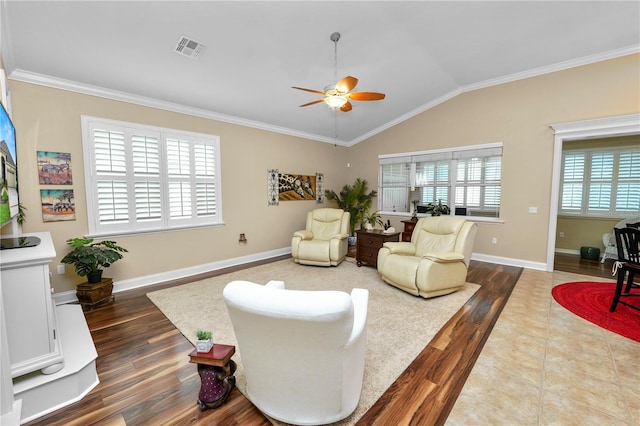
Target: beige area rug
pixel 399 325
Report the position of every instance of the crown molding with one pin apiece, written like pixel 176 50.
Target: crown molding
pixel 57 83
pixel 560 66
pixel 102 92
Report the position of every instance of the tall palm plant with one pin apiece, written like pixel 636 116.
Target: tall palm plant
pixel 353 199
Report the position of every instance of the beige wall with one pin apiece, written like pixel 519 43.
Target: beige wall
pixel 518 114
pixel 48 119
pixel 582 231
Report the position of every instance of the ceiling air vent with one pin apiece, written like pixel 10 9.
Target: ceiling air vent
pixel 189 47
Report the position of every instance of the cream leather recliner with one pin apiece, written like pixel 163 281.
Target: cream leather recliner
pixel 435 262
pixel 323 242
pixel 302 352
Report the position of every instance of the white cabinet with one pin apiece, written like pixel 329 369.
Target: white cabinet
pixel 29 312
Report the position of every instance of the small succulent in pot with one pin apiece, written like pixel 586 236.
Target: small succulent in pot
pixel 205 341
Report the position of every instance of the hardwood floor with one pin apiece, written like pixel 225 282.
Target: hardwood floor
pixel 148 380
pixel 575 264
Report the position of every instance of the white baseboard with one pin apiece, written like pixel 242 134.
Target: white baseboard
pixel 149 280
pixel 567 251
pixel 541 266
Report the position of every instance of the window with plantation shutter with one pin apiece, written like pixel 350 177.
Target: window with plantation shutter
pixel 600 181
pixel 465 177
pixel 142 179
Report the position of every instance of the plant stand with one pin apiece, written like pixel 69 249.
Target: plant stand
pixel 216 369
pixel 91 295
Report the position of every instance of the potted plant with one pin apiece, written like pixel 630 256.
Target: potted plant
pixel 204 342
pixel 353 199
pixel 90 258
pixel 371 219
pixel 22 214
pixel 438 209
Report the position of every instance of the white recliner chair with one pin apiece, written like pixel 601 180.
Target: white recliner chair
pixel 323 242
pixel 302 352
pixel 436 260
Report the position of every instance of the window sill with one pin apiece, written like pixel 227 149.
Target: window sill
pixel 407 216
pixel 152 231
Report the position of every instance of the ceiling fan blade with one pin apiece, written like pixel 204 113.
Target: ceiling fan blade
pixel 312 103
pixel 346 84
pixel 346 107
pixel 366 96
pixel 308 90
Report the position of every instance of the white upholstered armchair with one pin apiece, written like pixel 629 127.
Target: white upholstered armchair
pixel 302 351
pixel 323 242
pixel 609 239
pixel 436 260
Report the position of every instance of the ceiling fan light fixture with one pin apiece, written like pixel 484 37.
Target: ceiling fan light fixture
pixel 335 101
pixel 340 94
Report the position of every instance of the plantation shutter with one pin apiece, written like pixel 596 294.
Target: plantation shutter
pixel 600 182
pixel 142 178
pixel 628 187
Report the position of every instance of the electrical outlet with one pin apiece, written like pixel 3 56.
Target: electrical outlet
pixel 61 269
pixel 494 240
pixel 561 234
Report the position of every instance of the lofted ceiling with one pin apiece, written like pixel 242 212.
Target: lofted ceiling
pixel 418 53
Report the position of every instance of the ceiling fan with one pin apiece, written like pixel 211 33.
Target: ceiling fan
pixel 339 95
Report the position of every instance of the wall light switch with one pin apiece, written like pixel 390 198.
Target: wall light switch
pixel 61 269
pixel 533 210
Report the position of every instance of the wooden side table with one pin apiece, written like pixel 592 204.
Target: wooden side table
pixel 369 243
pixel 409 225
pixel 216 369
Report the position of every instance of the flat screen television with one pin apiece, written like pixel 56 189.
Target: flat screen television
pixel 8 168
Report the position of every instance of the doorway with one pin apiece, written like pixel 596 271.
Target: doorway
pixel 610 127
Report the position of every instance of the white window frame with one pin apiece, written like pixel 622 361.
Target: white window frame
pixel 583 184
pixel 128 223
pixel 453 156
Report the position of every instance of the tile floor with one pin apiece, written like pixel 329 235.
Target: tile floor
pixel 543 365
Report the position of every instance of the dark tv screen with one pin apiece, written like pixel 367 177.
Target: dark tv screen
pixel 9 168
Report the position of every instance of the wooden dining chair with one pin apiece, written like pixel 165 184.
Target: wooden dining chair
pixel 628 243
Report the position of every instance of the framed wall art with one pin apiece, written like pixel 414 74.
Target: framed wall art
pixel 54 168
pixel 57 205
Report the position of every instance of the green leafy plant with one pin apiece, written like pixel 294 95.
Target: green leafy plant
pixel 203 335
pixel 89 257
pixel 438 209
pixel 373 218
pixel 22 216
pixel 353 199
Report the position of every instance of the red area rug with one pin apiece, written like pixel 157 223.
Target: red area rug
pixel 591 301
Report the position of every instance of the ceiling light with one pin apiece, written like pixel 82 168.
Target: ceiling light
pixel 334 98
pixel 335 101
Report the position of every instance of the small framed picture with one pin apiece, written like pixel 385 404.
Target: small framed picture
pixel 57 205
pixel 54 168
